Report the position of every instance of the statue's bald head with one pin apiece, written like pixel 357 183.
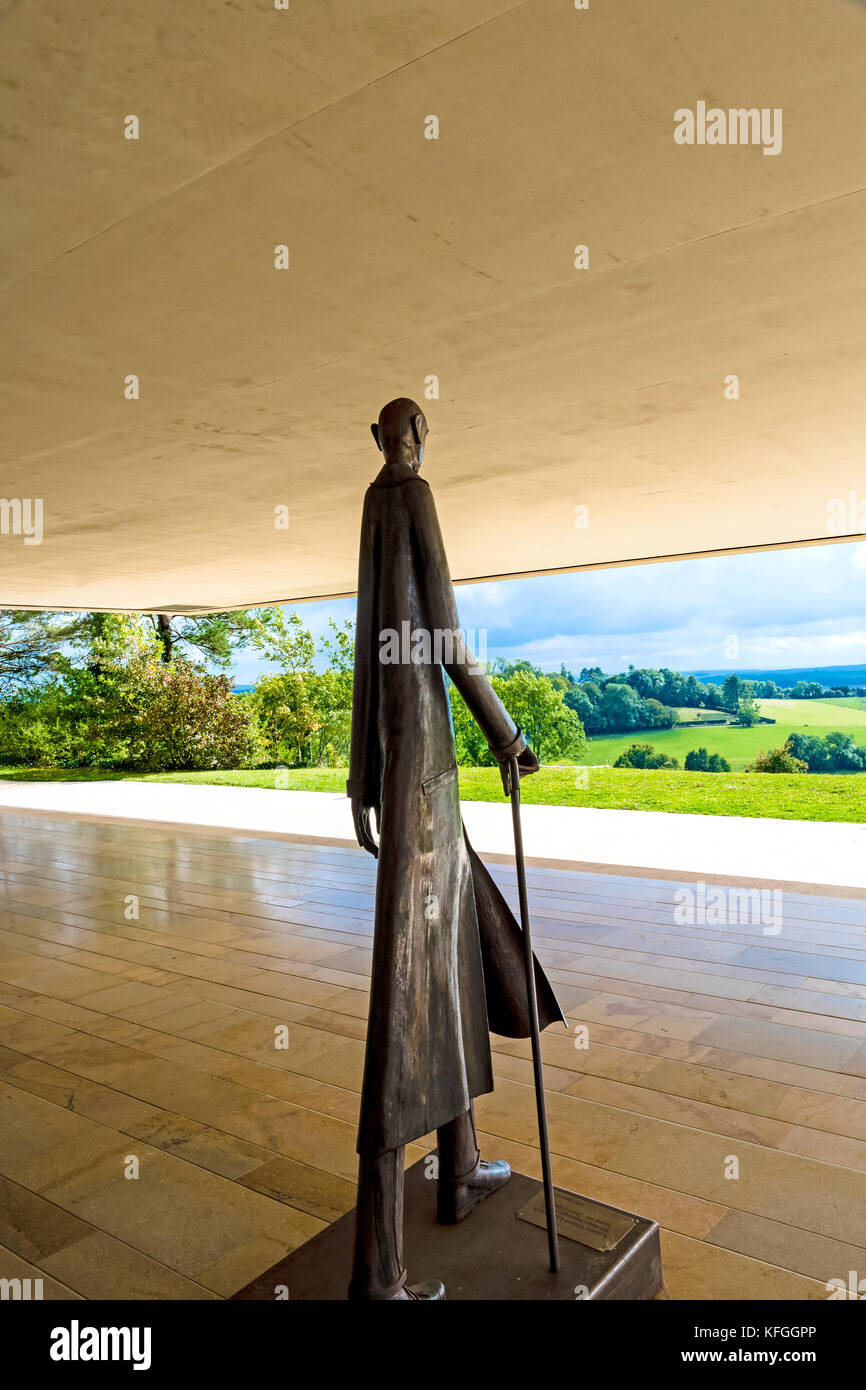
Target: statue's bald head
pixel 401 431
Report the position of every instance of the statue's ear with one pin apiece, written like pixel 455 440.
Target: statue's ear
pixel 374 430
pixel 417 421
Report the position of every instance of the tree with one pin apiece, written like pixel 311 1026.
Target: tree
pixel 837 752
pixel 106 639
pixel 659 716
pixel 647 683
pixel 621 708
pixel 731 693
pixel 809 749
pixel 549 725
pixel 135 712
pixel 699 760
pixel 552 729
pixel 29 646
pixel 748 714
pixel 333 692
pixel 288 715
pixel 643 755
pixel 695 693
pixel 502 667
pixel 214 635
pixel 843 754
pixel 673 691
pixel 284 639
pixel 807 690
pixel 471 745
pixel 578 700
pixel 304 714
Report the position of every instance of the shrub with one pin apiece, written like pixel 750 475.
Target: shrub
pixel 843 754
pixel 643 755
pixel 177 717
pixel 836 752
pixel 305 716
pixel 61 723
pixel 777 760
pixel 809 749
pixel 699 760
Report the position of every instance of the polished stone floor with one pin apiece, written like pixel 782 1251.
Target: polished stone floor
pixel 182 1017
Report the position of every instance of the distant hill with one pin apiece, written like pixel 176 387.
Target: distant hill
pixel 827 675
pixel 830 676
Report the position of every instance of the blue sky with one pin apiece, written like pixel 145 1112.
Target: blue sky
pixel 773 609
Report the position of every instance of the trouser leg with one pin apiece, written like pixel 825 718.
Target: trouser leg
pixel 459 1154
pixel 378 1271
pixel 464 1180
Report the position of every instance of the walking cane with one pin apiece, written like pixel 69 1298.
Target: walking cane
pixel 535 1031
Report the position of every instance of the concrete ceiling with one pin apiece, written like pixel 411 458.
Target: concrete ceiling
pixel 559 388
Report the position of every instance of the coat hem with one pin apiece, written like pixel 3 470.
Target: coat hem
pixel 376 1151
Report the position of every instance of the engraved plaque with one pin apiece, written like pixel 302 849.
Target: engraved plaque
pixel 578 1218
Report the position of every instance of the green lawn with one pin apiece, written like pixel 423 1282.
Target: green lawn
pixel 784 796
pixel 739 746
pixel 811 714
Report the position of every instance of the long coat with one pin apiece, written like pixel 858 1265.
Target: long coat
pixel 447 951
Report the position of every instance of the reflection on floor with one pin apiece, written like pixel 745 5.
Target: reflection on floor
pixel 157 1140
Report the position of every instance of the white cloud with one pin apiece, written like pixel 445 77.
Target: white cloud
pixel 800 607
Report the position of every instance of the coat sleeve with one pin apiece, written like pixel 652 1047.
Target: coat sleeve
pixel 364 772
pixel 500 730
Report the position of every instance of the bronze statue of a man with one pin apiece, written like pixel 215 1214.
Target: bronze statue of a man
pixel 447 951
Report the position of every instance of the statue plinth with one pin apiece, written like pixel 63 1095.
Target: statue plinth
pixel 498 1253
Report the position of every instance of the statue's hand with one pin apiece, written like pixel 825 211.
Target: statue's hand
pixel 527 763
pixel 361 816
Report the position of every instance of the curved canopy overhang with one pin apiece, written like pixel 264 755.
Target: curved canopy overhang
pixel 580 414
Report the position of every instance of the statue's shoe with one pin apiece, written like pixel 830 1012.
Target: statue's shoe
pixel 432 1290
pixel 457 1197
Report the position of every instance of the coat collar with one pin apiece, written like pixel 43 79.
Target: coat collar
pixel 392 474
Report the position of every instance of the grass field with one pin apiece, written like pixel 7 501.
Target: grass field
pixel 847 701
pixel 739 746
pixel 809 714
pixel 783 796
pixel 702 716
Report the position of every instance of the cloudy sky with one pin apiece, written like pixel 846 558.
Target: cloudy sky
pixel 774 609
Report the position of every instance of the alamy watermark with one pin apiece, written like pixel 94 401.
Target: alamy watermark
pixel 77 1343
pixel 846 515
pixel 22 516
pixel 422 646
pixel 706 906
pixel 854 1287
pixel 21 1290
pixel 738 125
